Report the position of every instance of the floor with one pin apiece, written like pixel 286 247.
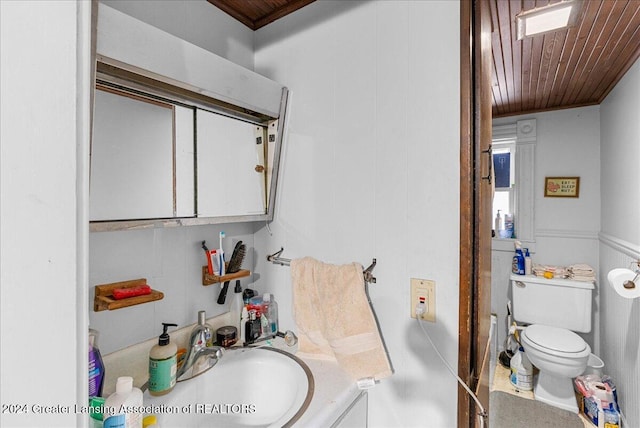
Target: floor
pixel 500 382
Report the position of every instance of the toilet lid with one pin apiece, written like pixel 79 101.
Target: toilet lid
pixel 557 339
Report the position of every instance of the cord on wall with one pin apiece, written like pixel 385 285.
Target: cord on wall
pixel 420 310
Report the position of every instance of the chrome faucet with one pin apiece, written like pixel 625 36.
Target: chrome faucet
pixel 192 366
pixel 201 353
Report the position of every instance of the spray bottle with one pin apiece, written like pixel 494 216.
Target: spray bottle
pixel 517 264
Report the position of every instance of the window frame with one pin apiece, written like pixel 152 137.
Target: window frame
pixel 523 132
pixel 510 144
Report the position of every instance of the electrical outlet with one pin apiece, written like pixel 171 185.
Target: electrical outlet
pixel 423 288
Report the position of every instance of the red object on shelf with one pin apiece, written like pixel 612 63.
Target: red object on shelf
pixel 123 293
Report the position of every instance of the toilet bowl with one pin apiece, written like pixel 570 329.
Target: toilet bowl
pixel 560 355
pixel 595 366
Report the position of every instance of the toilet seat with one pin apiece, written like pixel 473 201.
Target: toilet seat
pixel 555 341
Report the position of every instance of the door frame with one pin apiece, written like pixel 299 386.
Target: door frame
pixel 466 214
pixel 475 204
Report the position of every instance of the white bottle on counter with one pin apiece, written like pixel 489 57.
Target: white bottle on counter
pixel 243 323
pixel 527 262
pixel 126 395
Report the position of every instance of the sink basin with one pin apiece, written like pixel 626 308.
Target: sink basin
pixel 248 387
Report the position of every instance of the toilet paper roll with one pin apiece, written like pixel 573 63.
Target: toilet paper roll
pixel 617 278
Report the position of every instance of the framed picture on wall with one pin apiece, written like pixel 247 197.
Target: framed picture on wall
pixel 561 187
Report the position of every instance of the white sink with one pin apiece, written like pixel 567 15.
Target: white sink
pixel 248 387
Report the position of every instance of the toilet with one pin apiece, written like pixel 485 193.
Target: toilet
pixel 554 309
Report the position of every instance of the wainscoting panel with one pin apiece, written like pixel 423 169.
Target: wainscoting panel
pixel 620 328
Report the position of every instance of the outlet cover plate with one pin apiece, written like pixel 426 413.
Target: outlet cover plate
pixel 423 288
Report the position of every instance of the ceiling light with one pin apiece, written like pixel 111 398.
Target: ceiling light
pixel 547 18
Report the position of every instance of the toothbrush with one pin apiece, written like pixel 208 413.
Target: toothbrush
pixel 221 254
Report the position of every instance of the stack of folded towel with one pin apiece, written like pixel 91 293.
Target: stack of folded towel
pixel 582 272
pixel 549 271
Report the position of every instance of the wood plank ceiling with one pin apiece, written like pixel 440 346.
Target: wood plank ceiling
pixel 256 14
pixel 574 67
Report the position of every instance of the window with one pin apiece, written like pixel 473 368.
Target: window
pixel 513 149
pixel 504 204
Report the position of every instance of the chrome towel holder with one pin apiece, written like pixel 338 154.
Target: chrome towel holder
pixel 276 259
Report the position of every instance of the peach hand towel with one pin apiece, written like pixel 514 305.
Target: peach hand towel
pixel 334 319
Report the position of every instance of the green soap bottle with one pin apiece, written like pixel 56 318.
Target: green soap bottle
pixel 163 364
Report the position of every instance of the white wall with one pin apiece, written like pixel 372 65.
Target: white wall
pixel 620 237
pixel 171 260
pixel 366 175
pixel 371 169
pixel 44 55
pixel 195 21
pixel 566 229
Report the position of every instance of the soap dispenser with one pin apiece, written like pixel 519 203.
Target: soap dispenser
pixel 163 363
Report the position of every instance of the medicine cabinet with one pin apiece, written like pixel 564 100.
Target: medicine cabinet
pixel 141 158
pixel 158 161
pixel 181 136
pixel 231 166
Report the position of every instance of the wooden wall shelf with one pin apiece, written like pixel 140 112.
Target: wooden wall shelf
pixel 103 299
pixel 215 279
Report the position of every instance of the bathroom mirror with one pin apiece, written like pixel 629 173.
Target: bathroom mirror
pixel 141 158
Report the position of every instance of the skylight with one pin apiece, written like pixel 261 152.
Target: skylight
pixel 545 19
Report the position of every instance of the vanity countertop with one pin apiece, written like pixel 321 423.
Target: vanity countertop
pixel 334 392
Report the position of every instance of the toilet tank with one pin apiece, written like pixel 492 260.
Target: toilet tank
pixel 555 302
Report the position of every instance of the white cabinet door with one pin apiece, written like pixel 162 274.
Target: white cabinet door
pixel 227 155
pixel 131 159
pixel 356 415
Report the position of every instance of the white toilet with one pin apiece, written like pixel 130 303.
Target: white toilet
pixel 554 309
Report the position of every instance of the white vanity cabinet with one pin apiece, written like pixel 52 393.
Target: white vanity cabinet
pixel 356 414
